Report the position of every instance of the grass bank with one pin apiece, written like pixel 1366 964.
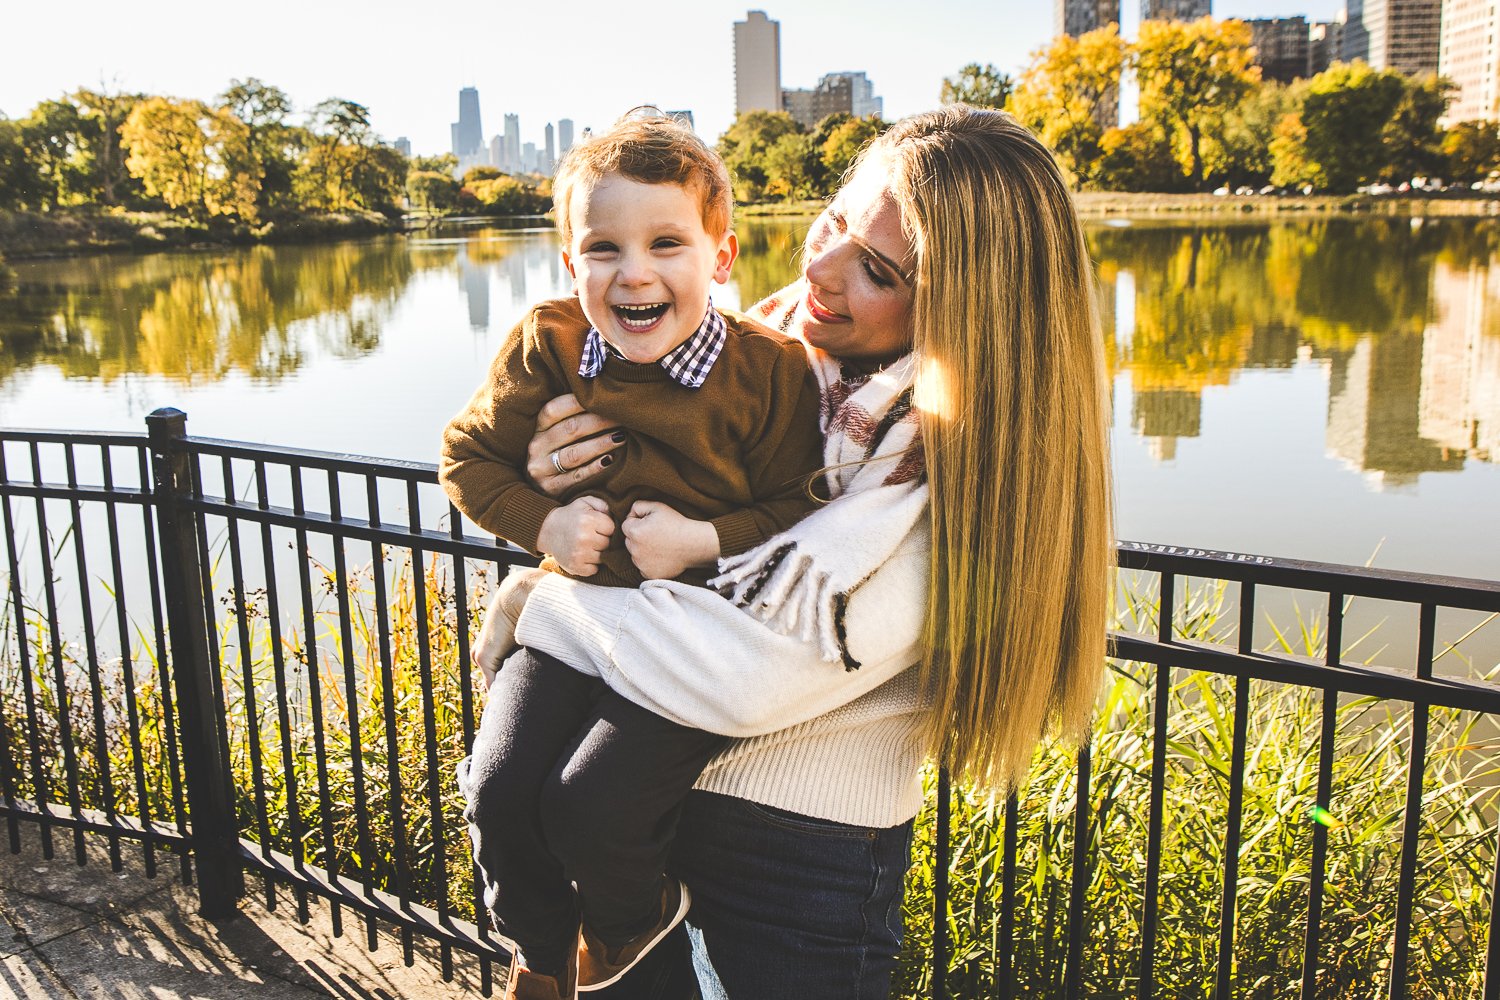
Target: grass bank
pixel 70 232
pixel 354 694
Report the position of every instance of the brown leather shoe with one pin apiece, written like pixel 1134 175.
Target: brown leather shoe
pixel 523 984
pixel 600 965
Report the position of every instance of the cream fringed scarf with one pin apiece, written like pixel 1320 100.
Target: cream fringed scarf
pixel 800 581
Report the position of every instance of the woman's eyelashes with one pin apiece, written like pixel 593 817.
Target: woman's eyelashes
pixel 876 273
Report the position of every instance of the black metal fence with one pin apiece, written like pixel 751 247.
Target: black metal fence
pixel 256 660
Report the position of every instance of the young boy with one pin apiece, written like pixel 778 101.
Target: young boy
pixel 720 418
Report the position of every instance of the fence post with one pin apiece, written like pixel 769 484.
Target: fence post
pixel 212 828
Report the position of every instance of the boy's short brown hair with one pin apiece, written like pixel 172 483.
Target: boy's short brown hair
pixel 653 149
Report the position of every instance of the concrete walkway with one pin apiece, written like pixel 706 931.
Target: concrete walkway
pixel 78 933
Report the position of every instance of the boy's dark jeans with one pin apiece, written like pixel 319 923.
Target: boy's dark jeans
pixel 569 782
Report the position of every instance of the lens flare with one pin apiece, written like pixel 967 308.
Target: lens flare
pixel 1322 816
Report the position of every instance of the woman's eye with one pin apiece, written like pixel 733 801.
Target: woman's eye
pixel 877 274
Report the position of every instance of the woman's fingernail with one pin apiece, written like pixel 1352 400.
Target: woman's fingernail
pixel 607 460
pixel 617 436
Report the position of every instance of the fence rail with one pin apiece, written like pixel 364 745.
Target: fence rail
pixel 256 659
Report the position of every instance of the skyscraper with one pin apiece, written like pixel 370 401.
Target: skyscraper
pixel 564 136
pixel 1402 35
pixel 1469 58
pixel 512 149
pixel 850 93
pixel 757 63
pixel 1078 17
pixel 1174 10
pixel 551 163
pixel 403 146
pixel 468 133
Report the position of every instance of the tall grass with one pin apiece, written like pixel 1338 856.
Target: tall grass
pixel 283 808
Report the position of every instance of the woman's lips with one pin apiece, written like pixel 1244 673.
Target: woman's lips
pixel 822 313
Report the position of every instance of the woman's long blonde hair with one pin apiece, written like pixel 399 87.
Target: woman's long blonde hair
pixel 1015 427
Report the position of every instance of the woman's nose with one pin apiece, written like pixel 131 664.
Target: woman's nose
pixel 822 266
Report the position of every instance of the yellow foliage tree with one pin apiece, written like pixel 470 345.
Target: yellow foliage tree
pixel 1192 74
pixel 192 157
pixel 1067 93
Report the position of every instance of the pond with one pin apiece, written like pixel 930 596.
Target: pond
pixel 1324 389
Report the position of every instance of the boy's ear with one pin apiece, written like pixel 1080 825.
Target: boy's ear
pixel 729 249
pixel 568 263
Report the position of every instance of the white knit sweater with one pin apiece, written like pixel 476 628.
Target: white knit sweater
pixel 812 736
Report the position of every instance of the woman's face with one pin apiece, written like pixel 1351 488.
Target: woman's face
pixel 860 270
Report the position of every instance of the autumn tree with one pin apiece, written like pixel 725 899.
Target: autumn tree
pixel 1137 157
pixel 745 146
pixel 435 191
pixel 982 86
pixel 345 165
pixel 1191 75
pixel 1338 136
pixel 842 144
pixel 1067 93
pixel 101 115
pixel 20 184
pixel 273 143
pixel 191 156
pixel 1471 151
pixel 1412 139
pixel 53 136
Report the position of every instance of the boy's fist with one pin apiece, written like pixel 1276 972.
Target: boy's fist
pixel 577 535
pixel 663 543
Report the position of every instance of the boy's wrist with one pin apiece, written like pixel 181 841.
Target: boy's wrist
pixel 734 533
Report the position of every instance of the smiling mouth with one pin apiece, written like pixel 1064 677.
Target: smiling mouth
pixel 640 317
pixel 822 313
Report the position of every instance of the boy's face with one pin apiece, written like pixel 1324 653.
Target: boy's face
pixel 641 262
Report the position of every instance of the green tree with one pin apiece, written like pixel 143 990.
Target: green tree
pixel 1137 157
pixel 481 173
pixel 1066 91
pixel 982 86
pixel 1344 117
pixel 1241 152
pixel 445 163
pixel 20 184
pixel 345 165
pixel 432 190
pixel 792 167
pixel 1291 166
pixel 1191 75
pixel 842 145
pixel 190 156
pixel 745 146
pixel 53 135
pixel 273 144
pixel 1412 139
pixel 101 114
pixel 1471 151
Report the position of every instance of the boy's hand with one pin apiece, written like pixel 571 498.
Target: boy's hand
pixel 577 535
pixel 498 637
pixel 664 543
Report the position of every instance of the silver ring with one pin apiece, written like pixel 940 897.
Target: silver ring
pixel 557 464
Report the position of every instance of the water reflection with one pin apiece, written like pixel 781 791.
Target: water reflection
pixel 1402 315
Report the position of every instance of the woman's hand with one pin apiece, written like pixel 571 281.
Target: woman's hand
pixel 498 637
pixel 578 439
pixel 664 543
pixel 577 535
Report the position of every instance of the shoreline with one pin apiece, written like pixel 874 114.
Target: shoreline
pixel 1102 204
pixel 34 235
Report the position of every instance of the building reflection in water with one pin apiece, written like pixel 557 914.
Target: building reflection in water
pixel 1405 319
pixel 476 284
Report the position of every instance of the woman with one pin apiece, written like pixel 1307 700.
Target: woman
pixel 948 603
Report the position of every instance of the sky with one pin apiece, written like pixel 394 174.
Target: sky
pixel 588 60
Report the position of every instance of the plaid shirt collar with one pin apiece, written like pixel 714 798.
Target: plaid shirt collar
pixel 688 363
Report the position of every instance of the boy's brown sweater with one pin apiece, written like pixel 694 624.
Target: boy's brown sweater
pixel 738 451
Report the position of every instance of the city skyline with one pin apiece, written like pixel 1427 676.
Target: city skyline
pixel 179 51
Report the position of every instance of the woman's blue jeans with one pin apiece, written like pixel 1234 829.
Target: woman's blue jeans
pixel 784 906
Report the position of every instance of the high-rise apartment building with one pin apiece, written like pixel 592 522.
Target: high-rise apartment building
pixel 564 136
pixel 1174 10
pixel 1079 17
pixel 1325 45
pixel 468 133
pixel 1468 56
pixel 850 93
pixel 403 146
pixel 757 63
pixel 1281 47
pixel 1402 35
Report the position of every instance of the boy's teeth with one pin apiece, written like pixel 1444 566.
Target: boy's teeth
pixel 643 315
